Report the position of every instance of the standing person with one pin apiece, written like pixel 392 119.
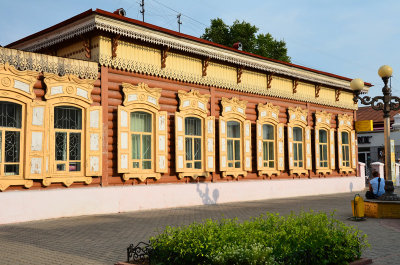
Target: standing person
pixel 376 186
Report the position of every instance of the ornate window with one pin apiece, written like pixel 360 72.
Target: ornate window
pixel 270 140
pixel 324 143
pixel 299 141
pixel 75 137
pixel 16 97
pixel 234 138
pixel 194 136
pixel 346 144
pixel 142 133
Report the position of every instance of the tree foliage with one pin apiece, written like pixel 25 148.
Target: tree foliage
pixel 261 44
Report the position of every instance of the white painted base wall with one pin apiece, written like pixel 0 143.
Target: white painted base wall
pixel 28 205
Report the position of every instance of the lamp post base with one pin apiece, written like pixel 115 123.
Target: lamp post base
pixel 389 192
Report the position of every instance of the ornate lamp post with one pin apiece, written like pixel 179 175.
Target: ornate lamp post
pixel 385 103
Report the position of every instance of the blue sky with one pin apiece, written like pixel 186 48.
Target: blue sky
pixel 351 38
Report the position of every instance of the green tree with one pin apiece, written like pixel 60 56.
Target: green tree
pixel 261 44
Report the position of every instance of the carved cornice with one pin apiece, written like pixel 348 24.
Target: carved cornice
pixel 323 118
pixel 298 114
pixel 68 87
pixel 345 121
pixel 17 83
pixel 141 94
pixel 193 101
pixel 48 64
pixel 103 23
pixel 268 111
pixel 234 106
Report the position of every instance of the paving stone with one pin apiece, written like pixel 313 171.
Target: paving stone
pixel 103 239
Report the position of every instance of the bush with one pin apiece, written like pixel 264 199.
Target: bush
pixel 307 238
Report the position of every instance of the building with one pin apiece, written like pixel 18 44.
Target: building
pixel 110 114
pixel 371 144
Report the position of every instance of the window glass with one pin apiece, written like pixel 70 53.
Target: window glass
pixel 233 129
pixel 298 146
pixel 268 132
pixel 345 149
pixel 345 138
pixel 193 142
pixel 10 136
pixel 68 138
pixel 141 139
pixel 323 148
pixel 297 134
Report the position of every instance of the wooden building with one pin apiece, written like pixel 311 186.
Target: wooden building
pixel 116 108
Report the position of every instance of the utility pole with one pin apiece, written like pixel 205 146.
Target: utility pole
pixel 142 11
pixel 179 21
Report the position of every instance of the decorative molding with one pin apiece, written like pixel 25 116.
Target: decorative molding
pixel 86 47
pixel 48 64
pixel 317 89
pixel 205 63
pixel 268 111
pixel 234 106
pixel 141 94
pixel 323 118
pixel 114 46
pixel 67 88
pixel 130 30
pixel 269 80
pixel 345 121
pixel 337 94
pixel 164 55
pixel 239 72
pixel 194 102
pixel 17 84
pixel 298 114
pixel 295 84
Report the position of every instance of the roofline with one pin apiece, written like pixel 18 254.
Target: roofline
pixel 170 32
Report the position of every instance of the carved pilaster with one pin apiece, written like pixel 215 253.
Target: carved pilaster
pixel 164 55
pixel 295 84
pixel 317 89
pixel 205 63
pixel 239 74
pixel 114 46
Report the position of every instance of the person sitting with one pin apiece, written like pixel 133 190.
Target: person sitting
pixel 376 186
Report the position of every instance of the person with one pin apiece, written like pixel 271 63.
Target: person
pixel 376 186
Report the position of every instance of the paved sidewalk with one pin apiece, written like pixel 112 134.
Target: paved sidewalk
pixel 103 239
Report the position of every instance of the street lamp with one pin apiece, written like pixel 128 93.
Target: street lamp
pixel 386 103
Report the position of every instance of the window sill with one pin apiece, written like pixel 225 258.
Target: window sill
pixel 194 175
pixel 268 172
pixel 233 173
pixel 141 176
pixel 67 180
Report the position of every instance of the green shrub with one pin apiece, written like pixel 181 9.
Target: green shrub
pixel 307 238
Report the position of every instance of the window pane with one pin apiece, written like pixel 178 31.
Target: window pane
pixel 135 164
pixel 135 146
pixel 237 164
pixel 10 114
pixel 271 150
pixel 233 129
pixel 197 165
pixel 66 117
pixel 1 145
pixel 323 136
pixel 11 146
pixel 11 169
pixel 192 126
pixel 74 146
pixel 75 166
pixel 321 152
pixel 189 165
pixel 345 138
pixel 189 151
pixel 140 121
pixel 297 134
pixel 146 165
pixel 271 164
pixel 268 132
pixel 325 152
pixel 237 149
pixel 61 146
pixel 197 149
pixel 230 149
pixel 300 151
pixel 60 167
pixel 146 146
pixel 265 150
pixel 295 151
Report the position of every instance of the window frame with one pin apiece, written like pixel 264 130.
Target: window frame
pixel 268 114
pixel 323 122
pixel 298 117
pixel 192 104
pixel 142 98
pixel 234 110
pixel 345 124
